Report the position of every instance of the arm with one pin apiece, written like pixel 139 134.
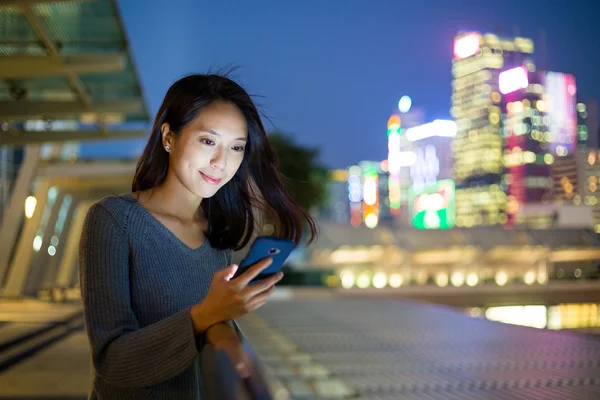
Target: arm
pixel 123 353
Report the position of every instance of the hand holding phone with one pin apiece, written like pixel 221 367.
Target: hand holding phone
pixel 267 247
pixel 236 291
pixel 230 298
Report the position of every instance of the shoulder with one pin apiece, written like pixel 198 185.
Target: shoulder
pixel 114 209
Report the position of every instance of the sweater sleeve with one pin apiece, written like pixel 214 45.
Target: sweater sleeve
pixel 123 353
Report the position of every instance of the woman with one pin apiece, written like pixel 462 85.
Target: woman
pixel 154 264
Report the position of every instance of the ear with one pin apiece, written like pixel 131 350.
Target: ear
pixel 167 136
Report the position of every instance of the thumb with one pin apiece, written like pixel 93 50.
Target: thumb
pixel 228 272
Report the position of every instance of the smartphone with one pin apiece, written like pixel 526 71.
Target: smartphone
pixel 263 247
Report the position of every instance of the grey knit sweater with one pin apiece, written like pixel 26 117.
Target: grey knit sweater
pixel 138 281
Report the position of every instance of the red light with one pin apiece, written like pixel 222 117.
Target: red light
pixel 466 46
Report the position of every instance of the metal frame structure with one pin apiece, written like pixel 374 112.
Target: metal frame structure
pixel 66 74
pixel 67 60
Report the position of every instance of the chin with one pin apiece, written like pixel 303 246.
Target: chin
pixel 206 191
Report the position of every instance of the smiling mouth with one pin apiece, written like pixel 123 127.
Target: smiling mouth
pixel 210 179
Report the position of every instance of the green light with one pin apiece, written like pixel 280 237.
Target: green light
pixel 394 129
pixel 370 172
pixel 433 206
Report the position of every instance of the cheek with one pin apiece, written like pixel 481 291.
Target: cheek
pixel 234 164
pixel 195 156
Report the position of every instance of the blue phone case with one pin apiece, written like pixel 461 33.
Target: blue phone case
pixel 266 246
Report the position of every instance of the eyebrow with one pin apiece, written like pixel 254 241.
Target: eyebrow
pixel 218 134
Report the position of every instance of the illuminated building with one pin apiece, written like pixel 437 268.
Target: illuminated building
pixel 370 197
pixel 527 155
pixel 576 179
pixel 476 101
pixel 431 196
pixel 587 124
pixel 337 206
pixel 393 165
pixel 589 160
pixel 399 157
pixel 560 106
pixel 358 195
pixel 355 194
pixel 430 157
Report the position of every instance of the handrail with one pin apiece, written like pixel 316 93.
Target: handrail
pixel 222 381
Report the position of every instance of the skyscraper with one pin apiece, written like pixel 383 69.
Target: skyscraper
pixel 587 124
pixel 536 107
pixel 476 108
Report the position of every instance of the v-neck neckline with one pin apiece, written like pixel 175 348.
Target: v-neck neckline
pixel 166 232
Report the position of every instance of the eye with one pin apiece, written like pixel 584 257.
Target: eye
pixel 238 148
pixel 207 142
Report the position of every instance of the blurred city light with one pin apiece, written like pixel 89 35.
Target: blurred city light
pixel 513 79
pixel 396 280
pixel 379 280
pixel 501 278
pixel 457 278
pixel 531 316
pixel 364 280
pixel 439 127
pixel 529 277
pixel 30 204
pixel 347 279
pixel 472 279
pixel 467 45
pixel 404 104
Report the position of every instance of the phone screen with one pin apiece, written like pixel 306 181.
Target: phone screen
pixel 263 247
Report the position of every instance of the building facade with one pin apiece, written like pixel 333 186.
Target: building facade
pixel 476 108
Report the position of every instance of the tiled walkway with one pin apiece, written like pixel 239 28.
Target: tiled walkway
pixel 331 347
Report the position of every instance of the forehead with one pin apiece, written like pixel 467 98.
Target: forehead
pixel 222 118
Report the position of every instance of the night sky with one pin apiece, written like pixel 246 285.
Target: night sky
pixel 330 72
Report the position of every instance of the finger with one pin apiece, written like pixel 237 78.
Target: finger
pixel 259 287
pixel 229 272
pixel 260 299
pixel 252 272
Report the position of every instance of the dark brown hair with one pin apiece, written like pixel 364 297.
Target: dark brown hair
pixel 229 211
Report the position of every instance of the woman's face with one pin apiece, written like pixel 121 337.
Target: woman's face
pixel 208 151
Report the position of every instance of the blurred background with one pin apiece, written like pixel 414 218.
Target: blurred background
pixel 449 152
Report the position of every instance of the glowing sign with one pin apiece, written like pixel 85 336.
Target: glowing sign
pixel 561 108
pixel 371 198
pixel 466 46
pixel 404 104
pixel 439 127
pixel 426 167
pixel 512 80
pixel 393 125
pixel 370 191
pixel 394 163
pixel 433 206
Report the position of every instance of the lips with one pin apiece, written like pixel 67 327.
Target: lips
pixel 210 179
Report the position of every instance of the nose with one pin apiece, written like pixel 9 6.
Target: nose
pixel 219 159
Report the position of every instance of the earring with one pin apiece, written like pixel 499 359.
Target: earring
pixel 167 147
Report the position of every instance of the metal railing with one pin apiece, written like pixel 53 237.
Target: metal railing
pixel 222 381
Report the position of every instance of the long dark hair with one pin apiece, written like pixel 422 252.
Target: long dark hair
pixel 229 212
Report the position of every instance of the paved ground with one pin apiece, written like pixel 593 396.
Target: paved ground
pixel 62 371
pixel 322 346
pixel 329 346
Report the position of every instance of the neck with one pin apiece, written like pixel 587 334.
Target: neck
pixel 172 198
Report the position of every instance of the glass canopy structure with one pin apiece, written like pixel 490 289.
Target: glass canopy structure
pixel 66 73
